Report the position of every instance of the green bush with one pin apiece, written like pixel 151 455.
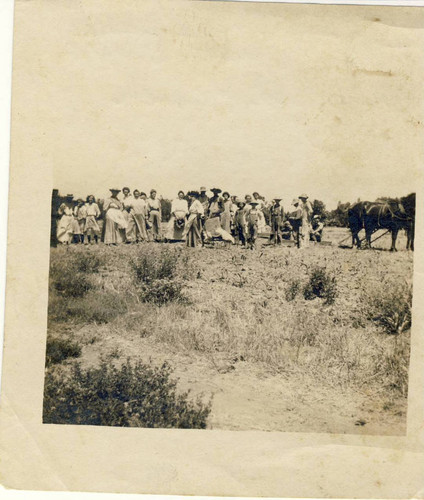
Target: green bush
pixel 132 395
pixel 321 284
pixel 60 349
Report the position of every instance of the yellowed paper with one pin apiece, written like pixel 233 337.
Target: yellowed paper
pixel 279 98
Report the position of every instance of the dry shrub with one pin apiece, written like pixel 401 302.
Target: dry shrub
pixel 97 306
pixel 156 276
pixel 132 395
pixel 58 350
pixel 389 305
pixel 321 284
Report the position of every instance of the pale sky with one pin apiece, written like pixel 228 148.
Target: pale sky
pixel 279 99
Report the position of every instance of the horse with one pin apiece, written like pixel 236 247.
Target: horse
pixel 371 216
pixel 409 203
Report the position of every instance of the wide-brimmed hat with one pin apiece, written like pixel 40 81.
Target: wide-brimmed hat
pixel 69 196
pixel 115 190
pixel 80 200
pixel 216 190
pixel 203 189
pixel 277 199
pixel 253 203
pixel 240 202
pixel 193 193
pixel 295 201
pixel 303 195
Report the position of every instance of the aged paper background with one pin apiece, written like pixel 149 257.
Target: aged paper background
pixel 169 461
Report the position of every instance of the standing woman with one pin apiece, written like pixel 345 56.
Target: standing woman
pixel 115 221
pixel 176 224
pixel 127 200
pixel 138 218
pixel 79 221
pixel 305 227
pixel 155 214
pixel 65 227
pixel 227 206
pixel 261 217
pixel 91 229
pixel 192 230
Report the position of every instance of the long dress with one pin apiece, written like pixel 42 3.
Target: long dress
pixel 192 229
pixel 307 210
pixel 65 227
pixel 137 222
pixel 154 208
pixel 80 215
pixel 115 221
pixel 92 214
pixel 129 231
pixel 226 215
pixel 261 217
pixel 179 210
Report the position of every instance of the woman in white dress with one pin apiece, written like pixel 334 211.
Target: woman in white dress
pixel 261 218
pixel 91 229
pixel 65 227
pixel 193 229
pixel 176 224
pixel 137 223
pixel 115 221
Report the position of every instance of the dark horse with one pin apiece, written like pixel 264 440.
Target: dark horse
pixel 371 216
pixel 408 203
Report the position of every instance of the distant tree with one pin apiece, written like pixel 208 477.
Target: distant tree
pixel 338 217
pixel 319 208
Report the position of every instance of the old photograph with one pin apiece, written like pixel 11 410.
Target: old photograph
pixel 215 250
pixel 232 245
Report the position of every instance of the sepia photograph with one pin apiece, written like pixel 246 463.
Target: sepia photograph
pixel 214 260
pixel 239 259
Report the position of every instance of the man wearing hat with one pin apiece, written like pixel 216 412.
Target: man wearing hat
pixel 155 214
pixel 277 217
pixel 240 222
pixel 65 228
pixel 305 226
pixel 316 229
pixel 115 221
pixel 252 224
pixel 204 199
pixel 295 220
pixel 215 204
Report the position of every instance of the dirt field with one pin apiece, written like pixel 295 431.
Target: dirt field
pixel 247 338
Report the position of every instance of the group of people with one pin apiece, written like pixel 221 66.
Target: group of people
pixel 195 218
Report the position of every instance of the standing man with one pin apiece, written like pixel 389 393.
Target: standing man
pixel 155 214
pixel 277 217
pixel 307 210
pixel 252 224
pixel 215 204
pixel 295 219
pixel 204 200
